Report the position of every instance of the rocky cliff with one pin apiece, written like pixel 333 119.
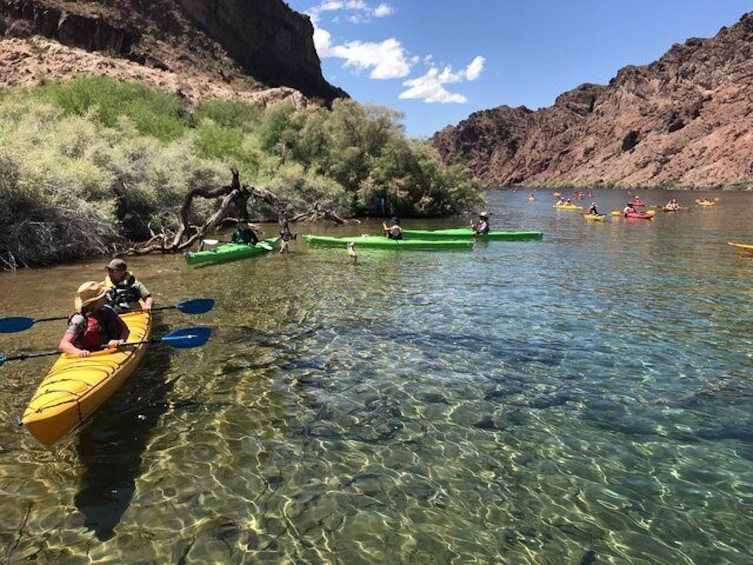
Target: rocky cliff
pixel 683 121
pixel 257 49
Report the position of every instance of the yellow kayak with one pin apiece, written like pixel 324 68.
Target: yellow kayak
pixel 705 202
pixel 568 207
pixel 76 386
pixel 595 217
pixel 743 246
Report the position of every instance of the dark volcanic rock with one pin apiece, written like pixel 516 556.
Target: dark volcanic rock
pixel 682 121
pixel 250 45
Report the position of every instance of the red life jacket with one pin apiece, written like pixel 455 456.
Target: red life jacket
pixel 91 339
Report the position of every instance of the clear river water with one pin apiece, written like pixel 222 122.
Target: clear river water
pixel 583 399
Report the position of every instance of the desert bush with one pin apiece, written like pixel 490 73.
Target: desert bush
pixel 94 161
pixel 236 114
pixel 153 112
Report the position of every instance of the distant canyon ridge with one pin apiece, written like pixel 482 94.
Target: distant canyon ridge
pixel 683 121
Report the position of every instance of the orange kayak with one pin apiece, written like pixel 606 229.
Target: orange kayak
pixel 76 386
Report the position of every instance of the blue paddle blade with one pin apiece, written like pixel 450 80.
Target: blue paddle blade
pixel 185 338
pixel 15 324
pixel 196 306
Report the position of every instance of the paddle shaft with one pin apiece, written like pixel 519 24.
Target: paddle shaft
pixel 19 324
pixel 183 338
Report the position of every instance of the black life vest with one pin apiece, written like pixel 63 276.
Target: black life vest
pixel 123 294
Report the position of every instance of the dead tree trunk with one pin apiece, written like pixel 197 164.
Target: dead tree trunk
pixel 235 197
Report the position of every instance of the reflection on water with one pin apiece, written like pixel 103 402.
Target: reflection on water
pixel 110 447
pixel 581 399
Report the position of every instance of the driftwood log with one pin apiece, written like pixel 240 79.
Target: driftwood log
pixel 234 204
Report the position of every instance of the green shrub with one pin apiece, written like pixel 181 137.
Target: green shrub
pixel 90 163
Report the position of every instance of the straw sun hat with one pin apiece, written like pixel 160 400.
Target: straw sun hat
pixel 88 293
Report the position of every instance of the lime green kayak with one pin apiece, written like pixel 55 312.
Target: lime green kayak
pixel 381 242
pixel 229 252
pixel 468 233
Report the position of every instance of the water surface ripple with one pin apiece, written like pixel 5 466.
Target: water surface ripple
pixel 582 399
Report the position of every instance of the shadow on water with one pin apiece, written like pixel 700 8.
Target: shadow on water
pixel 111 446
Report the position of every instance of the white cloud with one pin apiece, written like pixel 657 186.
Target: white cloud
pixel 473 71
pixel 387 59
pixel 357 11
pixel 430 87
pixel 383 10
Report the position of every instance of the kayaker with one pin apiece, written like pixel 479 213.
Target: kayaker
pixel 285 234
pixel 592 209
pixel 482 226
pixel 245 233
pixel 393 231
pixel 125 291
pixel 94 325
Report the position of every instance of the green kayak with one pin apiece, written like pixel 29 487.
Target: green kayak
pixel 229 252
pixel 467 233
pixel 381 242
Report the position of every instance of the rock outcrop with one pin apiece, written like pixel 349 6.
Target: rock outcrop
pixel 198 48
pixel 684 121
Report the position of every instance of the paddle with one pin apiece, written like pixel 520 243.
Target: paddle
pixel 19 324
pixel 195 306
pixel 264 245
pixel 183 338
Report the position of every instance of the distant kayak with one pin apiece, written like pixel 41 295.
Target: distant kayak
pixel 568 207
pixel 381 242
pixel 638 216
pixel 743 246
pixel 468 233
pixel 595 217
pixel 702 202
pixel 634 215
pixel 229 252
pixel 638 202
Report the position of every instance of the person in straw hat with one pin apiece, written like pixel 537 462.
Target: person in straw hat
pixel 94 325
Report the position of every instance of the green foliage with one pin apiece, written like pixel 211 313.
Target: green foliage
pixel 88 163
pixel 153 112
pixel 235 114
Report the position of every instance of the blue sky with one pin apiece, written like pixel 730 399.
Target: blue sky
pixel 438 61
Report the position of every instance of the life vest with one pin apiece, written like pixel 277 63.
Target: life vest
pixel 91 339
pixel 123 293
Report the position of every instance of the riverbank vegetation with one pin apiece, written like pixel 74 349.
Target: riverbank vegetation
pixel 90 164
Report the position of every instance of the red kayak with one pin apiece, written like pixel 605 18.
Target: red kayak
pixel 638 215
pixel 638 202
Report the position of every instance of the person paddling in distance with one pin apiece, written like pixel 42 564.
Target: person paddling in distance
pixel 393 231
pixel 94 324
pixel 125 291
pixel 592 209
pixel 482 226
pixel 245 233
pixel 629 209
